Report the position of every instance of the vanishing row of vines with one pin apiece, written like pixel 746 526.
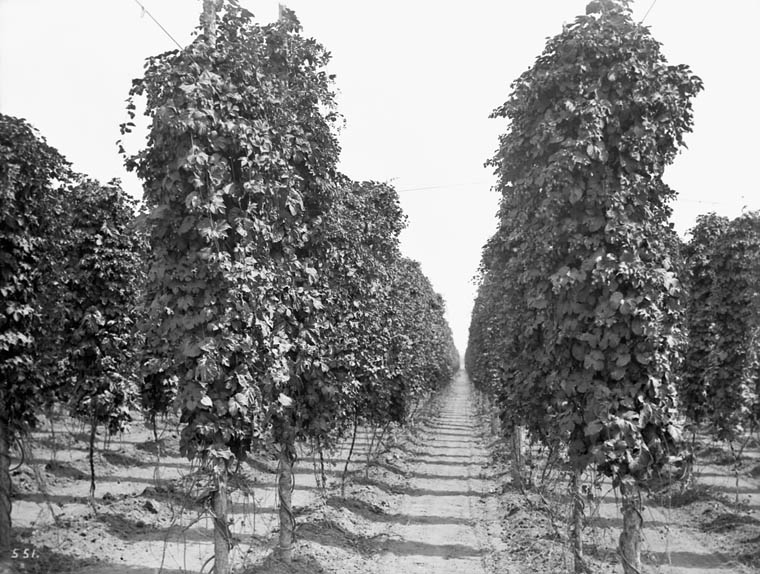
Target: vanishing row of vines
pixel 259 293
pixel 719 387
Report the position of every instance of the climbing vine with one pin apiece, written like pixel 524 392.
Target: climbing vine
pixel 706 235
pixel 33 176
pixel 236 172
pixel 266 281
pixel 584 231
pixel 99 282
pixel 733 363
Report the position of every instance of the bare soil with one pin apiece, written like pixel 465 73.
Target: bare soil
pixel 437 499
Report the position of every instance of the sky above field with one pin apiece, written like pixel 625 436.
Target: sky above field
pixel 417 81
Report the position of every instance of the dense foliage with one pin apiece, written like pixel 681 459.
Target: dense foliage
pixel 421 353
pixel 235 174
pixel 99 282
pixel 700 321
pixel 732 375
pixel 270 277
pixel 579 275
pixel 32 189
pixel 363 230
pixel 32 175
pixel 585 237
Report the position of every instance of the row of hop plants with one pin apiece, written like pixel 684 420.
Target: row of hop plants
pixel 578 326
pixel 258 293
pixel 719 390
pixel 71 280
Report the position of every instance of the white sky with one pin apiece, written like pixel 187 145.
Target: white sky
pixel 417 81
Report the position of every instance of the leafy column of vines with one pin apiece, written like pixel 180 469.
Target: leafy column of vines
pixel 706 235
pixel 236 169
pixel 33 176
pixel 733 367
pixel 269 274
pixel 99 282
pixel 584 226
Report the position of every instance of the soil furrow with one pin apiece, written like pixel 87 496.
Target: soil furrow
pixel 446 485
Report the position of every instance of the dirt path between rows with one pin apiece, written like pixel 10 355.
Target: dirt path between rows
pixel 444 508
pixel 437 498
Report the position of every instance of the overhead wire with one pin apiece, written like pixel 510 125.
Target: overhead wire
pixel 165 31
pixel 648 11
pixel 701 201
pixel 443 186
pixel 446 186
